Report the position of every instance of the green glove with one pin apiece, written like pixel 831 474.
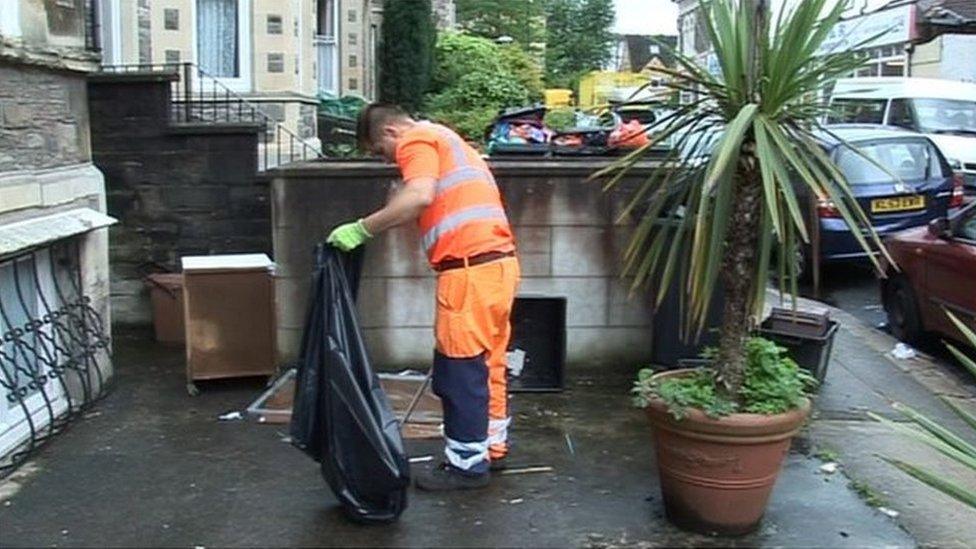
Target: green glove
pixel 349 236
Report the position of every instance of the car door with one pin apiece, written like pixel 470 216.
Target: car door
pixel 951 275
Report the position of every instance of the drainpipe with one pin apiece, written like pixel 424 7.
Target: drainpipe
pixel 909 50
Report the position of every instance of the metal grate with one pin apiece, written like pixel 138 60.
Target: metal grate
pixel 52 343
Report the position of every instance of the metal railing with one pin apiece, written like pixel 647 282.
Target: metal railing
pixel 51 347
pixel 198 97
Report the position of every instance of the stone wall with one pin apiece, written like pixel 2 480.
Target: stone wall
pixel 177 189
pixel 43 118
pixel 569 243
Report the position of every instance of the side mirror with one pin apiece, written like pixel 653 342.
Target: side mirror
pixel 939 227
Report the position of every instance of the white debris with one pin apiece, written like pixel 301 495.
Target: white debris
pixel 891 513
pixel 829 468
pixel 516 362
pixel 421 459
pixel 231 416
pixel 903 352
pixel 516 501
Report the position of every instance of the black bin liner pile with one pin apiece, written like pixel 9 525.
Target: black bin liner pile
pixel 341 416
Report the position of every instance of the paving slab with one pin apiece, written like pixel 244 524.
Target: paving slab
pixel 153 467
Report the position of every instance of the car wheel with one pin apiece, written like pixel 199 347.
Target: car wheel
pixel 904 318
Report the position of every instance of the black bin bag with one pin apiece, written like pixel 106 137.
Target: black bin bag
pixel 341 416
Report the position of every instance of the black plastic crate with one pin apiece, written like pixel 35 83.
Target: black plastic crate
pixel 812 353
pixel 539 329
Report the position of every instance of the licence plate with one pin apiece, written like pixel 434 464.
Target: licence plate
pixel 897 204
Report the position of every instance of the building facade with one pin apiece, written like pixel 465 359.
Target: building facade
pixel 925 38
pixel 54 311
pixel 274 53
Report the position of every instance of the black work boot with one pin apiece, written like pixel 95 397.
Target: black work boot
pixel 446 477
pixel 498 464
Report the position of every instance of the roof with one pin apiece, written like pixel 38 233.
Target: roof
pixel 863 132
pixel 639 49
pixel 959 12
pixel 896 87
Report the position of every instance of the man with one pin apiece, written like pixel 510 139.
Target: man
pixel 450 191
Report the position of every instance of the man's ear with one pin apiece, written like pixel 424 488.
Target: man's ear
pixel 391 130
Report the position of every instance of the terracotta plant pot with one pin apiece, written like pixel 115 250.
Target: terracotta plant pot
pixel 717 474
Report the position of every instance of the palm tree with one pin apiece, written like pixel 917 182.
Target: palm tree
pixel 745 156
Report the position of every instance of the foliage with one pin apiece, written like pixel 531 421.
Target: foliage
pixel 525 69
pixel 938 437
pixel 471 84
pixel 774 384
pixel 522 20
pixel 561 119
pixel 579 39
pixel 727 183
pixel 406 52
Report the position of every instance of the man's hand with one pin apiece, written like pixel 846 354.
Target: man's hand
pixel 349 236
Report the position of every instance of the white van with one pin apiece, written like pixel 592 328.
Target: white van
pixel 943 110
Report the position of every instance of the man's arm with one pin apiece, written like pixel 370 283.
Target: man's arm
pixel 406 205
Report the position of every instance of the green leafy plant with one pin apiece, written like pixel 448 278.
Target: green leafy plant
pixel 727 195
pixel 472 83
pixel 929 432
pixel 774 384
pixel 406 52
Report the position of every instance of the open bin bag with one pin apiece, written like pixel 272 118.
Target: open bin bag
pixel 341 416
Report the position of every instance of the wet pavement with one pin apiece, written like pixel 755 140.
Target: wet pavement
pixel 153 466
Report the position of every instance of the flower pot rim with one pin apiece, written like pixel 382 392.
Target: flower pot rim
pixel 737 427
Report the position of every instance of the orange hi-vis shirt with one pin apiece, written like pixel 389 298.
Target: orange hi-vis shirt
pixel 466 217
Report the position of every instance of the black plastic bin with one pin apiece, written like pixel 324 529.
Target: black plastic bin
pixel 812 353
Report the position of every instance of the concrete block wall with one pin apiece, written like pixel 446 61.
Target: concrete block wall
pixel 176 189
pixel 570 246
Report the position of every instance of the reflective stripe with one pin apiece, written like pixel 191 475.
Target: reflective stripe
pixel 457 146
pixel 498 431
pixel 465 455
pixel 461 175
pixel 458 218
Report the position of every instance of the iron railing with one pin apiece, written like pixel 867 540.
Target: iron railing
pixel 51 347
pixel 198 97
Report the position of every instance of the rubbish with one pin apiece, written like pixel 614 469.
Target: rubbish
pixel 903 352
pixel 274 405
pixel 516 361
pixel 516 501
pixel 569 444
pixel 231 416
pixel 891 513
pixel 421 459
pixel 527 470
pixel 829 468
pixel 341 416
pixel 91 415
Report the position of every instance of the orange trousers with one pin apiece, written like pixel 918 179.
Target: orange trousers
pixel 474 305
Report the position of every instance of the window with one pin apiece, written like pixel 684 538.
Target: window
pixel 967 229
pixel 171 19
pixel 274 24
pixel 18 293
pixel 325 24
pixel 353 39
pixel 172 56
pixel 276 62
pixel 945 116
pixel 909 160
pixel 353 62
pixel 218 45
pixel 900 114
pixel 861 111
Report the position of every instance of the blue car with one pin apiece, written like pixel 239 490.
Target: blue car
pixel 925 187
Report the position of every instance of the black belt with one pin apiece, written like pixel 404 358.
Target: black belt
pixel 480 259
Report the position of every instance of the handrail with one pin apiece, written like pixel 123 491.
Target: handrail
pixel 222 104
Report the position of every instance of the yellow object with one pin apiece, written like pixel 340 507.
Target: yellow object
pixel 596 88
pixel 558 97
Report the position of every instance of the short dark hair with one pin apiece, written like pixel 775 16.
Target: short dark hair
pixel 372 118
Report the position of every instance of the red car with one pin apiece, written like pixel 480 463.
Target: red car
pixel 938 274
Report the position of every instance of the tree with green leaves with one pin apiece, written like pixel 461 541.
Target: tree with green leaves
pixel 523 20
pixel 579 39
pixel 406 55
pixel 745 153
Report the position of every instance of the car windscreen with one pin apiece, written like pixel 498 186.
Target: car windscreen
pixel 856 111
pixel 908 160
pixel 945 115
